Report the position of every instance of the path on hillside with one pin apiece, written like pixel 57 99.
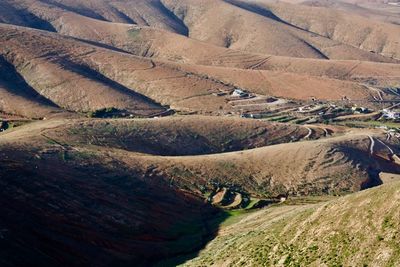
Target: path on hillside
pixel 326 133
pixel 391 150
pixel 371 146
pixel 310 131
pixel 378 92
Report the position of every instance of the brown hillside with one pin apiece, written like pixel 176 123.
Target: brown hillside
pixel 245 30
pixel 378 10
pixel 347 28
pixel 199 132
pixel 126 85
pixel 179 136
pixel 260 33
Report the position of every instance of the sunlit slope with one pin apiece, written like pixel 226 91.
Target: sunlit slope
pixel 360 229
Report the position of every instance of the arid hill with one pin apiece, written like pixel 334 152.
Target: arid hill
pixel 92 182
pixel 377 37
pixel 135 84
pixel 79 65
pixel 237 26
pixel 379 10
pixel 199 132
pixel 253 32
pixel 360 229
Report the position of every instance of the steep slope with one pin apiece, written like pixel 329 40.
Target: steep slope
pixel 233 27
pixel 69 189
pixel 90 210
pixel 150 42
pixel 141 12
pixel 57 77
pixel 17 97
pixel 118 86
pixel 377 10
pixel 179 136
pixel 155 43
pixel 110 79
pixel 360 229
pixel 224 24
pixel 359 32
pixel 321 166
pixel 10 13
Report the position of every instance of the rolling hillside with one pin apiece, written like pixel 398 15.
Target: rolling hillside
pixel 359 229
pixel 238 26
pixel 77 162
pixel 199 133
pixel 129 85
pixel 357 31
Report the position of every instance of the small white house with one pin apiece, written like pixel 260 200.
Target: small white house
pixel 356 109
pixel 391 115
pixel 239 93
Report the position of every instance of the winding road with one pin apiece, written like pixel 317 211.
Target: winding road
pixel 309 133
pixel 391 150
pixel 371 146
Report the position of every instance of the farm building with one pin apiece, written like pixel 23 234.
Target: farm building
pixel 240 93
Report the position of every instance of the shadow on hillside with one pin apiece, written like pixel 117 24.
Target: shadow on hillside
pixel 212 225
pixel 17 84
pixel 92 74
pixel 179 26
pixel 73 209
pixel 25 18
pixel 372 164
pixel 81 10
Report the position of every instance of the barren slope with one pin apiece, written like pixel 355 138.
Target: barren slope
pixel 366 34
pixel 17 97
pixel 224 24
pixel 378 10
pixel 288 85
pixel 178 136
pixel 215 21
pixel 83 186
pixel 109 78
pixel 150 42
pixel 321 166
pixel 360 229
pixel 54 74
pixel 141 12
pixel 73 174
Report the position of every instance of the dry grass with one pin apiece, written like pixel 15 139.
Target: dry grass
pixel 360 229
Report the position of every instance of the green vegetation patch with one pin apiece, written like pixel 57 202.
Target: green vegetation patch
pixel 107 113
pixel 134 33
pixel 370 124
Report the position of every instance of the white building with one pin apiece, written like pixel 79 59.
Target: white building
pixel 391 115
pixel 239 93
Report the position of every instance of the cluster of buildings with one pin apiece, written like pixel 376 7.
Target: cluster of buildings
pixel 240 93
pixel 390 114
pixel 359 110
